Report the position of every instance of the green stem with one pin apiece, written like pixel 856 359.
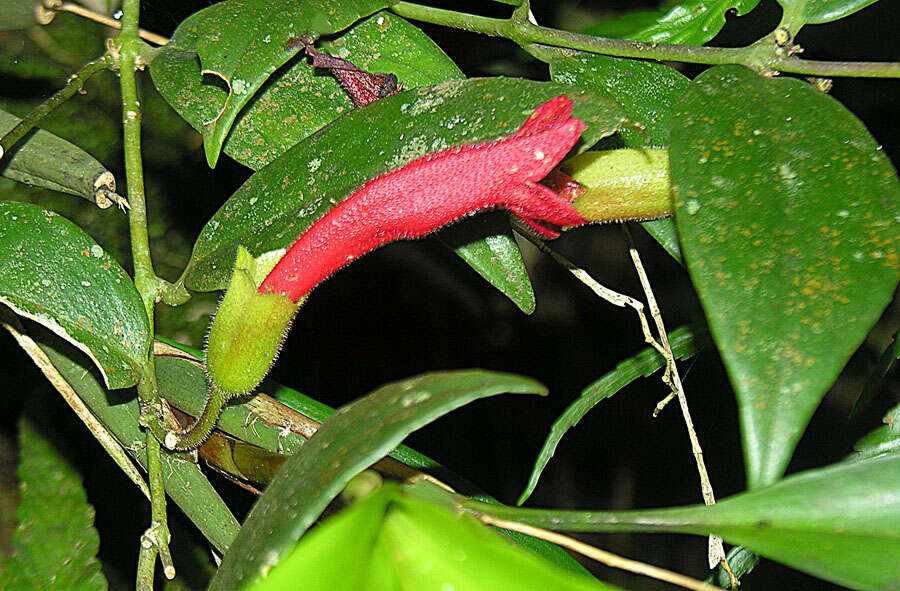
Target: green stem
pixel 526 33
pixel 73 85
pixel 200 431
pixel 145 279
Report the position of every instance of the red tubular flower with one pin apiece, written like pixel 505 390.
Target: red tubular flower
pixel 435 190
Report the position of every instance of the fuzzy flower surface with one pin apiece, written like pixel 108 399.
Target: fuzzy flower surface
pixel 436 190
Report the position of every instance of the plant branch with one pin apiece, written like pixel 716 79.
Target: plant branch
pixel 601 556
pixel 145 280
pixel 74 84
pixel 50 7
pixel 757 57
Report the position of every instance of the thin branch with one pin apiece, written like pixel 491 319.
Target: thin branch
pixel 73 85
pixel 106 439
pixel 602 556
pixel 716 552
pixel 759 58
pixel 50 7
pixel 145 279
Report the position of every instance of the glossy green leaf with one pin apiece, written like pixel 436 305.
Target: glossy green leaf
pixel 55 544
pixel 18 14
pixel 741 561
pixel 840 523
pixel 645 90
pixel 55 274
pixel 298 100
pixel 685 343
pixel 281 201
pixel 184 481
pixel 693 22
pixel 351 440
pixel 243 42
pixel 50 162
pixel 800 12
pixel 787 211
pixel 182 383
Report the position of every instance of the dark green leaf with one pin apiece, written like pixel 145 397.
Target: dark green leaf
pixel 741 562
pixel 877 375
pixel 280 202
pixel 645 90
pixel 800 12
pixel 266 36
pixel 298 99
pixel 351 440
pixel 685 344
pixel 787 211
pixel 55 543
pixel 182 383
pixel 184 481
pixel 55 274
pixel 693 22
pixel 18 14
pixel 50 162
pixel 840 523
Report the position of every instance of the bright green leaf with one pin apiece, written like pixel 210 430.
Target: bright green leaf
pixel 351 440
pixel 243 42
pixel 840 523
pixel 50 162
pixel 883 440
pixel 278 203
pixel 55 544
pixel 693 22
pixel 645 90
pixel 685 344
pixel 800 12
pixel 787 211
pixel 55 274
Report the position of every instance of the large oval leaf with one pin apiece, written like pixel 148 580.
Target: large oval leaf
pixel 299 100
pixel 800 12
pixel 645 90
pixel 55 274
pixel 788 212
pixel 281 201
pixel 351 440
pixel 693 22
pixel 243 42
pixel 841 523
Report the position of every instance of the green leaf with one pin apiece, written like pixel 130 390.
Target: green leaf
pixel 298 100
pixel 50 162
pixel 391 540
pixel 685 343
pixel 56 275
pixel 18 14
pixel 267 36
pixel 351 440
pixel 278 203
pixel 741 562
pixel 876 377
pixel 55 544
pixel 182 382
pixel 693 22
pixel 645 90
pixel 840 523
pixel 787 211
pixel 800 12
pixel 184 481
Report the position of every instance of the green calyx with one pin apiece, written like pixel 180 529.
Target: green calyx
pixel 622 184
pixel 244 340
